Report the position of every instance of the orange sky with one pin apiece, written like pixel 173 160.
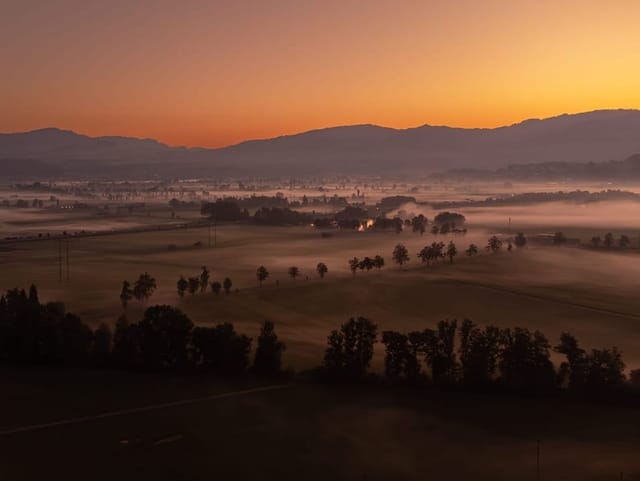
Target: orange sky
pixel 212 73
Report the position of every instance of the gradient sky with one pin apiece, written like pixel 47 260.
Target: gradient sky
pixel 212 73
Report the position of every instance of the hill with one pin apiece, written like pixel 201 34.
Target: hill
pixel 586 137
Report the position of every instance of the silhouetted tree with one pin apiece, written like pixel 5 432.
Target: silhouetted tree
pixel 125 294
pixel 101 348
pixel 451 251
pixel 144 287
pixel 182 285
pixel 322 269
pixel 400 255
pixel 268 358
pixel 595 241
pixel 262 273
pixel 220 349
pixel 204 278
pixel 126 350
pixel 293 271
pixel 226 284
pixel 396 354
pixel 216 287
pixel 163 334
pixel 479 350
pixel 350 350
pixel 494 244
pixel 354 264
pixel 608 240
pixel 624 241
pixel 435 229
pixel 193 284
pixel 419 224
pixel 366 264
pixel 439 346
pixel 525 363
pixel 520 240
pixel 378 262
pixel 472 250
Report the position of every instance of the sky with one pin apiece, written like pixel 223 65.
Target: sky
pixel 213 73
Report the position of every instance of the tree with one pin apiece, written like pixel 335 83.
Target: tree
pixel 164 334
pixel 520 240
pixel 451 251
pixel 601 370
pixel 435 229
pixel 439 348
pixel 226 284
pixel 322 269
pixel 268 358
pixel 33 295
pixel 419 224
pixel 472 250
pixel 220 349
pixel 366 263
pixel 354 264
pixel 400 255
pixel 608 240
pixel 350 350
pixel 378 262
pixel 396 354
pixel 293 272
pixel 182 285
pixel 193 284
pixel 445 228
pixel 262 273
pixel 204 278
pixel 595 241
pixel 101 347
pixel 524 362
pixel 126 350
pixel 624 241
pixel 479 350
pixel 144 287
pixel 125 293
pixel 494 244
pixel 216 287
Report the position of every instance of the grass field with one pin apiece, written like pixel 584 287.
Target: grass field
pixel 301 432
pixel 590 293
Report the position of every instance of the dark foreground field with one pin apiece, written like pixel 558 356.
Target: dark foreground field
pixel 299 432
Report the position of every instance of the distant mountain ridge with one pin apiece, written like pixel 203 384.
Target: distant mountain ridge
pixel 359 149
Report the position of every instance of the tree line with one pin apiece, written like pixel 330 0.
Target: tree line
pixel 468 356
pixel 164 339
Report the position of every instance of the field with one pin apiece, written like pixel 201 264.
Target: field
pixel 312 432
pixel 590 293
pixel 300 432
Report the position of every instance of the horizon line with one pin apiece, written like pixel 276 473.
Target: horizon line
pixel 319 129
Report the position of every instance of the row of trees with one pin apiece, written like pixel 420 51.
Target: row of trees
pixel 476 358
pixel 200 283
pixel 366 263
pixel 142 290
pixel 165 338
pixel 609 241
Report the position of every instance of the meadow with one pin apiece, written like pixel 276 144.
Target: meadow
pixel 588 292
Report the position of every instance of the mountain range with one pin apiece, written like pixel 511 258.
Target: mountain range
pixel 596 136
